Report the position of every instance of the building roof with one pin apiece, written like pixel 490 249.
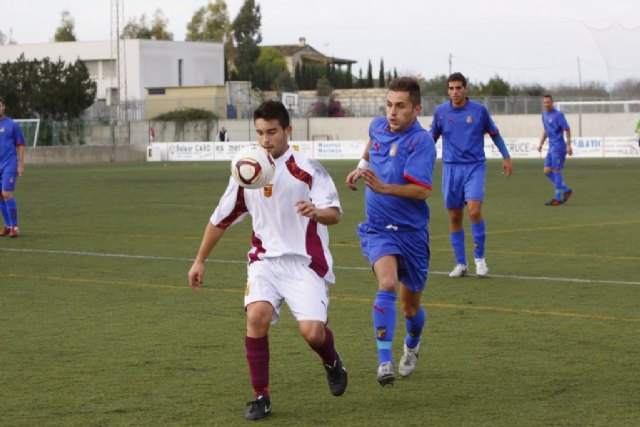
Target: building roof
pixel 307 53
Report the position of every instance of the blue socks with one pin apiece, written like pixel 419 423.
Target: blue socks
pixel 5 213
pixel 478 231
pixel 414 328
pixel 12 210
pixel 457 242
pixel 384 323
pixel 559 185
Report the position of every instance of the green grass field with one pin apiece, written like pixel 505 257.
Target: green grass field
pixel 99 328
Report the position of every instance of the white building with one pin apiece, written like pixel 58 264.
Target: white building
pixel 143 64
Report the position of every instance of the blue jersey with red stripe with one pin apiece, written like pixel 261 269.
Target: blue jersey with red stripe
pixel 10 137
pixel 399 158
pixel 555 124
pixel 462 130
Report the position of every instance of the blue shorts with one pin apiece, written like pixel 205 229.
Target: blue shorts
pixel 462 182
pixel 555 160
pixel 8 178
pixel 411 248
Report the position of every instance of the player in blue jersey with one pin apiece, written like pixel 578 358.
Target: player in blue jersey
pixel 397 168
pixel 555 126
pixel 11 166
pixel 462 124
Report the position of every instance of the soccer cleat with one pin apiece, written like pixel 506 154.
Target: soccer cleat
pixel 337 377
pixel 460 270
pixel 481 267
pixel 14 232
pixel 553 202
pixel 385 374
pixel 6 230
pixel 409 360
pixel 567 195
pixel 258 408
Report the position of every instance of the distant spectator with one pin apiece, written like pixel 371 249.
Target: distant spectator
pixel 223 135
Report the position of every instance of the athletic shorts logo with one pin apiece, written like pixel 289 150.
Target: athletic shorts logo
pixel 247 287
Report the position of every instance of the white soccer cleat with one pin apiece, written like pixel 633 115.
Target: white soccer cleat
pixel 409 360
pixel 459 270
pixel 385 374
pixel 481 267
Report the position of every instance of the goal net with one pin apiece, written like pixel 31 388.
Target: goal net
pixel 30 130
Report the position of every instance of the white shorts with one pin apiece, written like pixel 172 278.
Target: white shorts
pixel 289 279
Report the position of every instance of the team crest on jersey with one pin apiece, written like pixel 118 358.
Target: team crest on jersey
pixel 2 129
pixel 268 190
pixel 469 119
pixel 394 150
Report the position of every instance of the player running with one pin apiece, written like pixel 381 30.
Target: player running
pixel 289 259
pixel 462 124
pixel 397 168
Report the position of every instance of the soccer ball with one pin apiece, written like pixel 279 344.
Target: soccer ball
pixel 253 167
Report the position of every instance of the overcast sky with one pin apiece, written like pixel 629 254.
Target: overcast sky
pixel 522 41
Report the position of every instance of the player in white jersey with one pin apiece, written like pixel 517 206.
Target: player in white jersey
pixel 289 259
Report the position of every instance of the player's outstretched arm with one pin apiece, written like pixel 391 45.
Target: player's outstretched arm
pixel 356 174
pixel 212 235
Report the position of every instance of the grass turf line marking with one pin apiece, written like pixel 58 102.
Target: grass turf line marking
pixel 76 280
pixel 336 267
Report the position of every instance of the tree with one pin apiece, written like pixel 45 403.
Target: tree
pixel 628 88
pixel 369 82
pixel 46 89
pixel 159 26
pixel 140 29
pixel 65 31
pixel 381 82
pixel 246 32
pixel 269 65
pixel 436 86
pixel 496 86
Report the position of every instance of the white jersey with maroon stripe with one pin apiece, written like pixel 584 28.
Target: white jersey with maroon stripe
pixel 277 228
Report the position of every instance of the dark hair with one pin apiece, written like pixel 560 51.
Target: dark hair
pixel 273 110
pixel 458 77
pixel 407 84
pixel 547 96
pixel 1 100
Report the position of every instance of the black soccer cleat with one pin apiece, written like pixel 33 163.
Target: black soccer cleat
pixel 554 202
pixel 258 408
pixel 337 377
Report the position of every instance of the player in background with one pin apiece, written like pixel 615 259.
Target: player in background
pixel 555 126
pixel 289 259
pixel 11 167
pixel 397 168
pixel 462 124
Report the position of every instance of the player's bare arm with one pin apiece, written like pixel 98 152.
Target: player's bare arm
pixel 569 149
pixel 325 216
pixel 407 191
pixel 542 139
pixel 212 235
pixel 356 174
pixel 506 167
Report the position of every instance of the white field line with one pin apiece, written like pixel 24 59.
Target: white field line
pixel 337 267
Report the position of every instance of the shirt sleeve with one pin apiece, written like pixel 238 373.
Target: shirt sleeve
pixel 232 207
pixel 323 192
